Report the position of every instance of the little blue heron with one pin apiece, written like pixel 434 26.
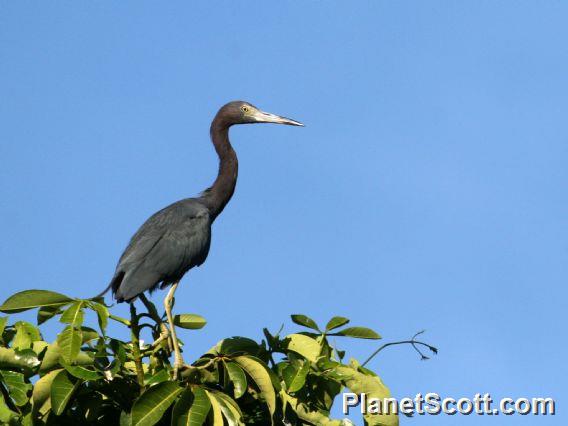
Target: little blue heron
pixel 177 238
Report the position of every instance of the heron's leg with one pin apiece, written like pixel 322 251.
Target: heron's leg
pixel 178 360
pixel 164 332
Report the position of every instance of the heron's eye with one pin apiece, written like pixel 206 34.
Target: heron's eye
pixel 244 108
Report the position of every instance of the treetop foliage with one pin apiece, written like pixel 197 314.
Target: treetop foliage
pixel 87 376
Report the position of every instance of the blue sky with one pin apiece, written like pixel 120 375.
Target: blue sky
pixel 428 190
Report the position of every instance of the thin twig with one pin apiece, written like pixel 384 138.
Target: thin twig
pixel 413 342
pixel 135 331
pixel 207 364
pixel 152 311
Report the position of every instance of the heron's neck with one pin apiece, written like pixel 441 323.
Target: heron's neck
pixel 219 194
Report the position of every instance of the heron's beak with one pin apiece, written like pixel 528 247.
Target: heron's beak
pixel 265 117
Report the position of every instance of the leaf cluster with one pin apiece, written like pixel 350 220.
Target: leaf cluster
pixel 87 376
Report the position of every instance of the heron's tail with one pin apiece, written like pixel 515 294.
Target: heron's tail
pixel 102 293
pixel 115 282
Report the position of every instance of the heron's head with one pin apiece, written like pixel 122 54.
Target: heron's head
pixel 240 112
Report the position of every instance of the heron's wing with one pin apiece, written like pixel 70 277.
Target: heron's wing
pixel 180 220
pixel 168 244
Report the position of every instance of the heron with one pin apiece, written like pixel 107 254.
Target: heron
pixel 177 238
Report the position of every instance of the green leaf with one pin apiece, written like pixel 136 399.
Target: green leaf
pixel 259 374
pixel 52 358
pixel 327 364
pixel 88 334
pixel 305 321
pixel 306 346
pixel 10 358
pixel 27 419
pixel 324 391
pixel 26 334
pixel 152 404
pixel 305 413
pixel 358 332
pixel 22 339
pixel 125 419
pixel 336 322
pixel 216 410
pixel 6 415
pixel 47 312
pixel 119 350
pixel 235 345
pixel 80 372
pixel 229 408
pixel 373 387
pixel 192 408
pixel 159 377
pixel 190 321
pixel 102 315
pixel 119 319
pixel 74 315
pixel 62 389
pixel 30 299
pixel 39 346
pixel 295 377
pixel 69 341
pixel 17 387
pixel 276 381
pixel 31 329
pixel 3 321
pixel 237 377
pixel 41 396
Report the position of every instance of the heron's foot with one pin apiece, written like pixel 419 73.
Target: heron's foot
pixel 164 336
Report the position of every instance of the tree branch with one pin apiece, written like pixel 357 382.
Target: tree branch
pixel 135 332
pixel 412 342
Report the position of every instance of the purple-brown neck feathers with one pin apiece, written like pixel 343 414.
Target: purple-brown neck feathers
pixel 219 194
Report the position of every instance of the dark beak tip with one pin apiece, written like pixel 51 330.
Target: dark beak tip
pixel 293 122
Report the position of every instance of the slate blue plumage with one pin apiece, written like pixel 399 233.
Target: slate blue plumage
pixel 166 246
pixel 178 237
